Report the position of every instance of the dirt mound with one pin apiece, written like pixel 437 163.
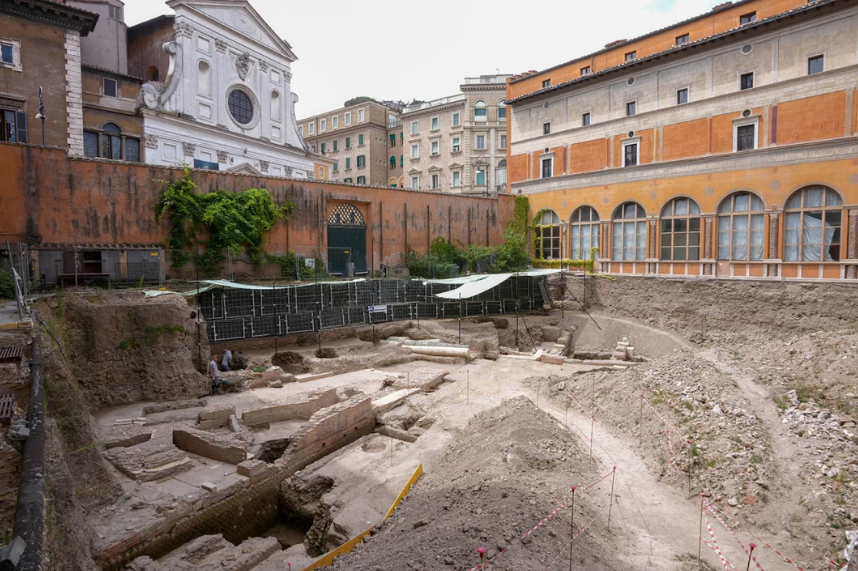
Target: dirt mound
pixel 511 468
pixel 135 349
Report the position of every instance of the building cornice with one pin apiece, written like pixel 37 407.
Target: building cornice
pixel 433 109
pixel 747 30
pixel 51 13
pixel 816 152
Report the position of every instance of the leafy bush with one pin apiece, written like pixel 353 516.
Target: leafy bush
pixel 289 262
pixel 7 285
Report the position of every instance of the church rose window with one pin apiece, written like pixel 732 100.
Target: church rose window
pixel 240 107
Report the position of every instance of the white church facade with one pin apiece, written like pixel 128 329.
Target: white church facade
pixel 219 92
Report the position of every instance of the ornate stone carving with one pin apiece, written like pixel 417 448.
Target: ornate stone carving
pixel 155 98
pixel 220 45
pixel 288 171
pixel 222 156
pixel 183 28
pixel 263 166
pixel 242 65
pixel 189 149
pixel 263 65
pixel 151 141
pixel 288 76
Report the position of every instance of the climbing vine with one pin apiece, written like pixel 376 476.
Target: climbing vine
pixel 232 221
pixel 588 265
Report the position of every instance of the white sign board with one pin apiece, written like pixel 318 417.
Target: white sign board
pixel 378 309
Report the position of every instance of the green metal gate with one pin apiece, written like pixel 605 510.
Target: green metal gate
pixel 346 240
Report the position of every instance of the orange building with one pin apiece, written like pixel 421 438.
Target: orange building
pixel 722 146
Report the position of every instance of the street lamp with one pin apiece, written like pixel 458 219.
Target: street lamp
pixel 41 114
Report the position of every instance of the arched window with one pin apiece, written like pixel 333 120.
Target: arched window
pixel 741 228
pixel 501 174
pixel 275 105
pixel 680 231
pixel 392 162
pixel 501 111
pixel 204 79
pixel 629 231
pixel 547 229
pixel 813 225
pixel 111 141
pixel 152 73
pixel 584 232
pixel 481 112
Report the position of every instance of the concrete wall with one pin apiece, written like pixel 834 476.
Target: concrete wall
pixel 57 200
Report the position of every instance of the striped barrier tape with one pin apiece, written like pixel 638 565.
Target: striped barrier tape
pixel 581 532
pixel 834 564
pixel 708 506
pixel 584 434
pixel 664 420
pixel 727 564
pixel 738 525
pixel 544 521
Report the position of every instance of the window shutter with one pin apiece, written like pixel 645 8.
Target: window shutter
pixel 21 121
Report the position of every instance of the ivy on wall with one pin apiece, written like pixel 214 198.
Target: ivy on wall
pixel 232 221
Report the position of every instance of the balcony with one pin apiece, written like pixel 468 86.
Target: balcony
pixel 435 103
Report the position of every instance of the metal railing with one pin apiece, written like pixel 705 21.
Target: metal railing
pixel 435 103
pixel 488 79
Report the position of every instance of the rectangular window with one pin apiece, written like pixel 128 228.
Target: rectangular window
pixel 435 148
pixel 502 141
pixel 301 130
pixel 682 96
pixel 334 145
pixel 481 178
pixel 746 81
pixel 481 142
pixel 585 71
pixel 815 65
pixel 13 126
pixel 746 138
pixel 348 142
pixel 323 125
pixel 110 88
pixel 392 141
pixel 312 128
pixel 546 128
pixel 631 56
pixel 361 115
pixel 361 161
pixel 335 122
pixel 336 167
pixel 547 167
pixel 630 155
pixel 546 83
pixel 502 112
pixel 457 144
pixel 415 151
pixel 415 183
pixel 90 144
pixel 481 114
pixel 436 181
pixel 360 141
pixel 457 179
pixel 7 53
pixel 631 108
pixel 456 120
pixel 132 150
pixel 361 180
pixel 323 148
pixel 348 164
pixel 748 18
pixel 415 128
pixel 585 120
pixel 683 39
pixel 348 180
pixel 115 12
pixel 434 123
pixel 348 117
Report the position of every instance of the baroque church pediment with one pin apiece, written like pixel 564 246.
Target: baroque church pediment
pixel 244 168
pixel 239 16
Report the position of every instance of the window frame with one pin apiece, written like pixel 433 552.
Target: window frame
pixel 435 148
pixel 586 119
pixel 746 122
pixel 456 142
pixel 360 161
pixel 585 71
pixel 546 83
pixel 361 180
pixel 361 115
pixel 546 128
pixel 415 151
pixel 435 124
pixel 477 143
pixel 687 233
pixel 749 18
pixel 732 214
pixel 457 179
pixel 804 211
pixel 348 118
pixel 104 81
pixel 639 252
pixel 335 122
pixel 591 224
pixel 542 161
pixel 415 127
pixel 481 112
pixel 636 142
pixel 312 128
pixel 457 119
pixel 742 76
pixel 415 182
pixel 323 125
pixel 631 108
pixel 687 93
pixel 502 111
pixel 683 39
pixel 631 56
pixel 16 63
pixel 811 59
pixel 502 142
pixel 553 238
pixel 435 179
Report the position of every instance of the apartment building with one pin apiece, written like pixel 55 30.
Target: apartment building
pixel 458 143
pixel 356 139
pixel 724 145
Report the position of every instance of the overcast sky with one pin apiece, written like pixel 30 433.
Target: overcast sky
pixel 400 51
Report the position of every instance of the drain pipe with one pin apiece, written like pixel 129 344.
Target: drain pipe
pixel 30 513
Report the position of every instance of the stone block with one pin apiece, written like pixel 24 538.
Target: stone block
pixel 392 400
pixel 252 468
pixel 299 407
pixel 215 417
pixel 209 445
pixel 550 333
pixel 128 441
pixel 233 424
pixel 552 359
pixel 209 487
